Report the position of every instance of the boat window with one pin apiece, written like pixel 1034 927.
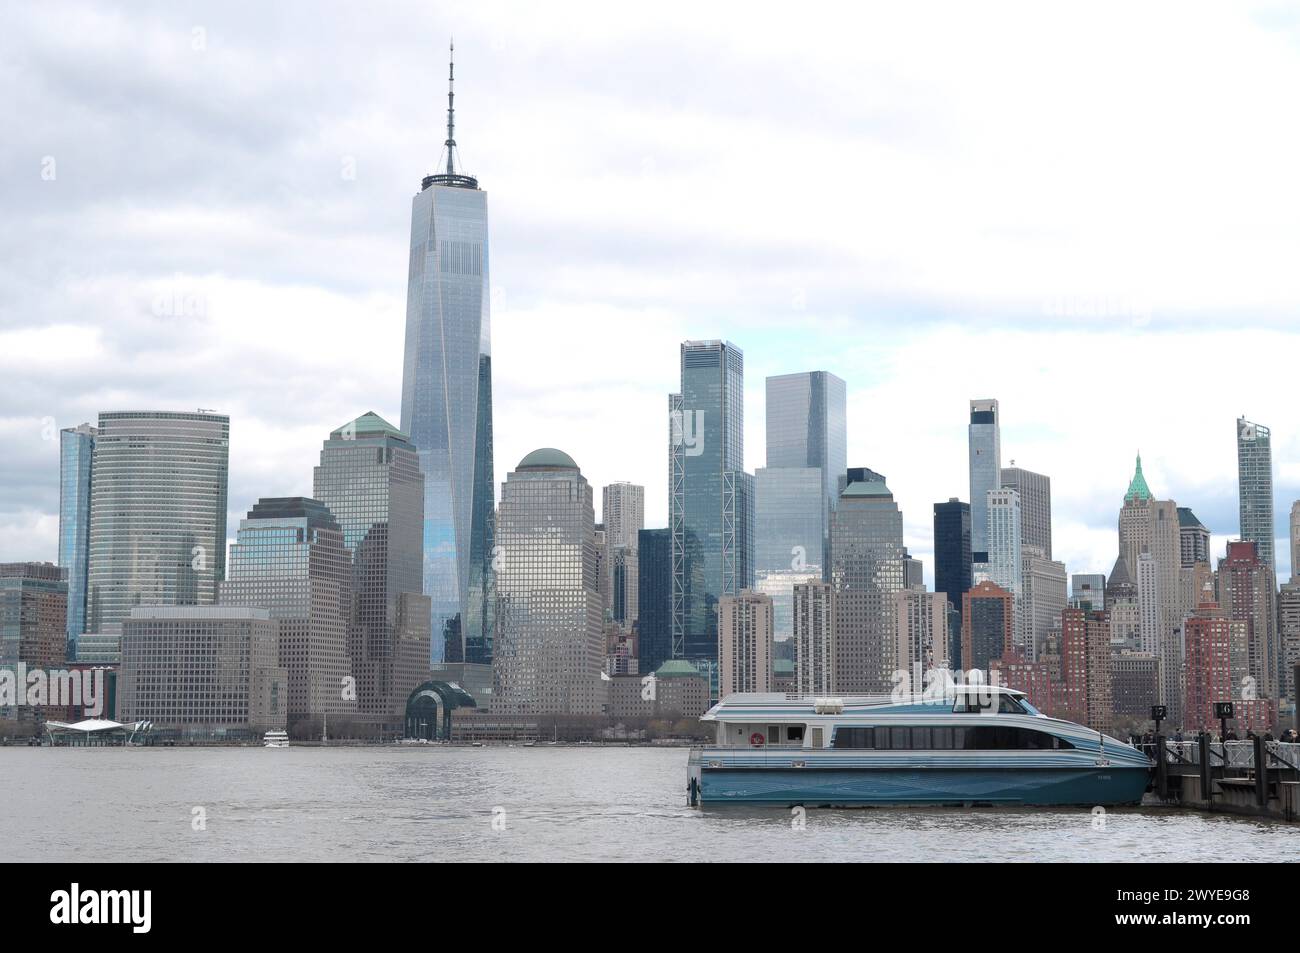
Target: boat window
pixel 941 738
pixel 794 733
pixel 899 738
pixel 854 738
pixel 1009 704
pixel 959 738
pixel 921 738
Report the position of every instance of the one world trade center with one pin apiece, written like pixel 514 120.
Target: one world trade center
pixel 447 402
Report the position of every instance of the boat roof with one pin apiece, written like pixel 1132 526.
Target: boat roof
pixel 775 703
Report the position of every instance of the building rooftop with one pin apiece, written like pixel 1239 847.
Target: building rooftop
pixel 1137 488
pixel 369 424
pixel 547 458
pixel 677 668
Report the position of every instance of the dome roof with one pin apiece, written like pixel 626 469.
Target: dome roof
pixel 547 458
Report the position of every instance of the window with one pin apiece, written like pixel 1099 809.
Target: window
pixel 794 733
pixel 955 738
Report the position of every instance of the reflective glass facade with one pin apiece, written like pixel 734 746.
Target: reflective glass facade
pixel 550 641
pixel 1255 486
pixel 807 425
pixel 711 498
pixel 76 449
pixel 157 512
pixel 289 558
pixel 791 534
pixel 447 410
pixel 985 448
pixel 369 478
pixel 654 598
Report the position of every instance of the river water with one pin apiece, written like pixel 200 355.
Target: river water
pixel 405 803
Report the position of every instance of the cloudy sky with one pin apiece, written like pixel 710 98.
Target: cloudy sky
pixel 1088 211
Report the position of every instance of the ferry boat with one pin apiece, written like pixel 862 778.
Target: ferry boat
pixel 276 738
pixel 973 745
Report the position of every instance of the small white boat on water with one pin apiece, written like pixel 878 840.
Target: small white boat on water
pixel 276 738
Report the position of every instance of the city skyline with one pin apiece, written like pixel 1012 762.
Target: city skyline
pixel 207 318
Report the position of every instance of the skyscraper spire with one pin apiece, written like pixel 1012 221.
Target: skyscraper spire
pixel 451 109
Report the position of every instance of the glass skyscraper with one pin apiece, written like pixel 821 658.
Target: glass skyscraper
pixel 289 558
pixel 76 450
pixel 447 404
pixel 654 623
pixel 985 446
pixel 157 512
pixel 710 509
pixel 1255 486
pixel 807 425
pixel 952 565
pixel 369 478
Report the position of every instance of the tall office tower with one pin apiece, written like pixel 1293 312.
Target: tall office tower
pixel 369 478
pixel 1085 666
pixel 1134 684
pixel 710 497
pixel 791 527
pixel 952 565
pixel 1004 563
pixel 1295 541
pixel 985 445
pixel 33 615
pixel 289 558
pixel 987 621
pixel 1209 672
pixel 1043 597
pixel 654 623
pixel 1288 636
pixel 1035 491
pixel 1149 602
pixel 603 577
pixel 913 571
pixel 623 513
pixel 922 636
pixel 1193 539
pixel 1246 592
pixel 1148 525
pixel 866 571
pixel 744 643
pixel 1089 588
pixel 550 642
pixel 814 638
pixel 157 512
pixel 201 668
pixel 1255 486
pixel 76 450
pixel 807 426
pixel 447 403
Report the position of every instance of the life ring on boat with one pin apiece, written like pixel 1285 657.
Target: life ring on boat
pixel 757 739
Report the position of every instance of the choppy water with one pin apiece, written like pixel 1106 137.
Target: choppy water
pixel 437 804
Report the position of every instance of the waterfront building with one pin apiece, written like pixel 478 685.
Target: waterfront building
pixel 711 498
pixel 369 478
pixel 550 649
pixel 289 558
pixel 205 670
pixel 866 571
pixel 745 643
pixel 33 614
pixel 157 512
pixel 76 453
pixel 814 637
pixel 1255 486
pixel 1035 491
pixel 447 403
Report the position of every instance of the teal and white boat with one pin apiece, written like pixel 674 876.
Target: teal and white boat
pixel 971 745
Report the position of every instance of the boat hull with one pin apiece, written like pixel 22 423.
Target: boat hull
pixel 840 787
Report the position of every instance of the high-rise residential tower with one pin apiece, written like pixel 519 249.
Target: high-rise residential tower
pixel 1255 486
pixel 744 643
pixel 867 555
pixel 814 637
pixel 1193 538
pixel 551 646
pixel 623 512
pixel 289 558
pixel 1035 491
pixel 157 512
pixel 447 402
pixel 1247 592
pixel 1005 563
pixel 985 446
pixel 369 478
pixel 710 497
pixel 1295 541
pixel 76 449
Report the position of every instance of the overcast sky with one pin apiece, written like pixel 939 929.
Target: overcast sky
pixel 1087 211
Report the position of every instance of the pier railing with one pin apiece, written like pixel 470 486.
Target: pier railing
pixel 1227 754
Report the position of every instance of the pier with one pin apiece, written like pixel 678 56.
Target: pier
pixel 1255 777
